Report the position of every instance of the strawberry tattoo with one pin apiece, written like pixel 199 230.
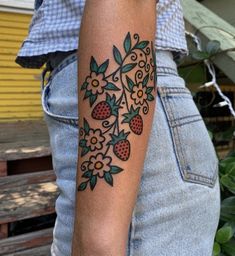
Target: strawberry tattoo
pixel 118 101
pixel 105 109
pixel 134 119
pixel 121 146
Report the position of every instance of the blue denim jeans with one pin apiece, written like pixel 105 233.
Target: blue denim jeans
pixel 178 205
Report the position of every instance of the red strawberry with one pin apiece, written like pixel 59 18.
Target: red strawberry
pixel 136 124
pixel 121 146
pixel 101 111
pixel 105 108
pixel 135 120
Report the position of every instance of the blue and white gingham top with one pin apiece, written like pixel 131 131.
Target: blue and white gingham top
pixel 55 27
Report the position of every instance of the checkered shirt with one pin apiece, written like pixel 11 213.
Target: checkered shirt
pixel 55 27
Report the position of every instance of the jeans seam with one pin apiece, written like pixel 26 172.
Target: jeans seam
pixel 188 176
pixel 174 90
pixel 188 122
pixel 185 117
pixel 178 144
pixel 200 175
pixel 165 108
pixel 166 70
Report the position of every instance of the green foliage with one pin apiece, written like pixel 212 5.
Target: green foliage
pixel 192 68
pixel 210 50
pixel 225 236
pixel 213 47
pixel 216 249
pixel 195 74
pixel 229 248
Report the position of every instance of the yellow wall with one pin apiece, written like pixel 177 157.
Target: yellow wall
pixel 19 87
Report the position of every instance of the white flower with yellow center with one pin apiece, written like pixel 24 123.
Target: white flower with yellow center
pixel 96 83
pixel 94 139
pixel 139 94
pixel 99 164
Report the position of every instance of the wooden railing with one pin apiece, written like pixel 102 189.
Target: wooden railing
pixel 27 187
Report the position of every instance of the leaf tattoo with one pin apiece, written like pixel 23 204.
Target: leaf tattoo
pixel 134 79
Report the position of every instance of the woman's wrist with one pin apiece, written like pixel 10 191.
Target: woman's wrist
pixel 99 245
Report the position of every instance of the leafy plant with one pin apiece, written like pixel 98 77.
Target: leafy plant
pixel 224 244
pixel 211 49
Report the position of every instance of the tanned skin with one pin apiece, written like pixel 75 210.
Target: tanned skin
pixel 116 101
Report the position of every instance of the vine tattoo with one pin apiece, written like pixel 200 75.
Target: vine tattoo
pixel 117 116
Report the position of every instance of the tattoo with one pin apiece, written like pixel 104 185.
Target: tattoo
pixel 136 79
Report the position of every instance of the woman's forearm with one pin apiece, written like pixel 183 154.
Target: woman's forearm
pixel 116 95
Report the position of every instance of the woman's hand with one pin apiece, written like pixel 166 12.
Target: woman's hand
pixel 116 90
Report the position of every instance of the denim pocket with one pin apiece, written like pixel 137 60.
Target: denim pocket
pixel 195 152
pixel 59 96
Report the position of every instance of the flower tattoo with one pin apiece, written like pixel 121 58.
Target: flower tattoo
pixel 139 94
pixel 107 94
pixel 96 83
pixel 99 164
pixel 94 139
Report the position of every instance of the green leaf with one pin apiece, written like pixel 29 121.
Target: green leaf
pixel 93 182
pixel 213 47
pixel 115 169
pixel 82 143
pixel 92 99
pixel 230 224
pixel 86 126
pixel 128 67
pixel 229 182
pixel 108 178
pixel 87 94
pixel 224 234
pixel 82 186
pixel 111 86
pixel 87 174
pixel 85 150
pixel 117 55
pixel 231 171
pixel 130 83
pixel 228 164
pixel 150 97
pixel 229 247
pixel 149 90
pixel 228 209
pixel 127 43
pixel 216 249
pixel 93 65
pixel 200 55
pixel 146 79
pixel 84 86
pixel 142 44
pixel 103 67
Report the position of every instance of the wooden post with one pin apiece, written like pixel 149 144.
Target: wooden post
pixel 3 227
